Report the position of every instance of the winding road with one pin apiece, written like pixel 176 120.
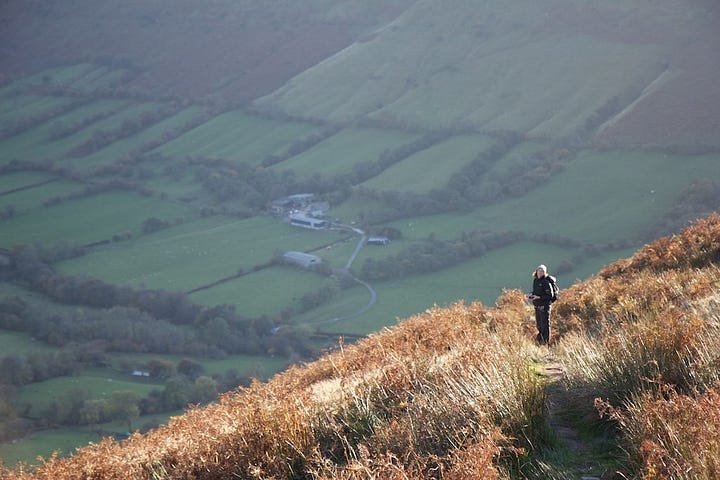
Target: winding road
pixel 346 269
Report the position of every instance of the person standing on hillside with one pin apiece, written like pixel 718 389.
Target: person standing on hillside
pixel 542 297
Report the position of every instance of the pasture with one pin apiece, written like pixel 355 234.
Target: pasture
pixel 256 366
pixel 603 196
pixel 195 253
pixel 34 145
pixel 265 292
pixel 66 440
pixel 58 76
pixel 337 254
pixel 13 181
pixel 527 92
pixel 30 107
pixel 325 317
pixel 99 78
pixel 85 220
pixel 236 136
pixel 600 197
pixel 135 143
pixel 43 443
pixel 432 167
pixel 34 196
pixel 486 74
pixel 481 279
pixel 475 279
pixel 37 397
pixel 36 142
pixel 16 343
pixel 339 153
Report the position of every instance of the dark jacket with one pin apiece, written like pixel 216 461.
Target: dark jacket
pixel 542 288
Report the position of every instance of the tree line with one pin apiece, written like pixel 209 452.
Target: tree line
pixel 434 255
pixel 182 383
pixel 698 200
pixel 476 184
pixel 137 320
pixel 14 127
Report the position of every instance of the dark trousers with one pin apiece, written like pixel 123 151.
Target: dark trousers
pixel 542 320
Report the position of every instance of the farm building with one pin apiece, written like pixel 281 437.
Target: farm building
pixel 291 202
pixel 304 260
pixel 378 241
pixel 308 222
pixel 301 198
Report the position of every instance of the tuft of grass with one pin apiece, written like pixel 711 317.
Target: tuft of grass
pixel 671 435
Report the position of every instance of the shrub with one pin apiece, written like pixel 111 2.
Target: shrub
pixel 672 436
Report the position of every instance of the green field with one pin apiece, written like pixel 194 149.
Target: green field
pixel 43 444
pixel 65 441
pixel 261 367
pixel 485 67
pixel 62 75
pixel 35 143
pixel 236 136
pixel 12 181
pixel 30 107
pixel 33 198
pixel 431 168
pixel 475 279
pixel 98 78
pixel 600 197
pixel 481 279
pixel 527 93
pixel 266 292
pixel 606 196
pixel 337 154
pixel 86 220
pixel 196 253
pixel 14 343
pixel 134 143
pixel 38 396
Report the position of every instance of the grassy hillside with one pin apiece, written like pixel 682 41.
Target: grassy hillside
pixel 559 69
pixel 233 50
pixel 624 73
pixel 455 392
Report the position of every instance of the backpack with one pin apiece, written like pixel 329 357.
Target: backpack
pixel 553 288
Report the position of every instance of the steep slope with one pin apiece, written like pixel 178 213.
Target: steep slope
pixel 557 69
pixel 233 50
pixel 621 73
pixel 449 393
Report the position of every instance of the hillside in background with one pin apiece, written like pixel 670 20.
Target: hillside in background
pixel 233 51
pixel 614 74
pixel 617 74
pixel 459 392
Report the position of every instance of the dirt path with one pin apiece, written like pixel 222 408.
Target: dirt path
pixel 578 460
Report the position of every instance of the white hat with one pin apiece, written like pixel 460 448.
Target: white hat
pixel 541 267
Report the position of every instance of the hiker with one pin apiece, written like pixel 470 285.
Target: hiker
pixel 542 298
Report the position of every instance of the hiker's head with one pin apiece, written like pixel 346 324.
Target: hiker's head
pixel 541 271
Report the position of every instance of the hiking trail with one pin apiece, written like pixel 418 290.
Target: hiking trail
pixel 579 459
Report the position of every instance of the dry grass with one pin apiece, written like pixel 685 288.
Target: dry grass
pixel 648 349
pixel 440 396
pixel 672 436
pixel 451 394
